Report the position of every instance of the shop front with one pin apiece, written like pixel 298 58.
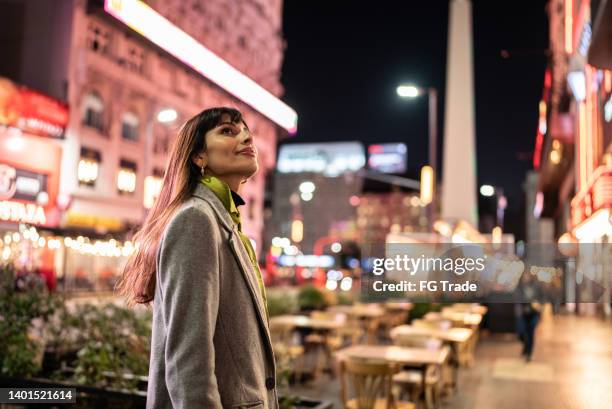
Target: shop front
pixel 31 129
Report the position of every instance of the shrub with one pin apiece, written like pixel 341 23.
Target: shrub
pixel 111 341
pixel 280 303
pixel 24 299
pixel 311 298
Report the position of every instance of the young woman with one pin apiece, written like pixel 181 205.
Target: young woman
pixel 211 344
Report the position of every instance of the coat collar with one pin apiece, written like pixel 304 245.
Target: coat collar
pixel 203 192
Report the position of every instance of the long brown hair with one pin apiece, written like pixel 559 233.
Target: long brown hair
pixel 137 284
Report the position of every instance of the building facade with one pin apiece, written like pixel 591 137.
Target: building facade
pixel 573 152
pixel 129 92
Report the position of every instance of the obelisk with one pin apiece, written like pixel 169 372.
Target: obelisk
pixel 459 191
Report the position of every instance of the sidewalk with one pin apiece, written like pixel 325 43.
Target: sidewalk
pixel 571 369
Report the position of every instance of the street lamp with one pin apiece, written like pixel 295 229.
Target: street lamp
pixel 500 199
pixel 412 91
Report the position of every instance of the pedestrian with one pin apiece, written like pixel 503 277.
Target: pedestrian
pixel 529 308
pixel 211 344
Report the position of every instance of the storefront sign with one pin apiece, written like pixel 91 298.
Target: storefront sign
pixel 22 213
pixel 388 157
pixel 21 184
pixel 30 111
pixel 331 159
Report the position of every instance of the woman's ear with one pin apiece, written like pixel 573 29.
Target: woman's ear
pixel 200 159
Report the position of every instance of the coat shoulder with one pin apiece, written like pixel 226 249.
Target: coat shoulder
pixel 195 217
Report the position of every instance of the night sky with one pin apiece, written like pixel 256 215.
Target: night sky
pixel 345 58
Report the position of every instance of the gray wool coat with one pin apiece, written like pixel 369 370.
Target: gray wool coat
pixel 211 345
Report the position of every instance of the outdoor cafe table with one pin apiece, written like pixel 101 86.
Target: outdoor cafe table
pixel 400 306
pixel 460 339
pixel 369 314
pixel 303 321
pixel 360 310
pixel 474 309
pixel 462 318
pixel 452 335
pixel 415 357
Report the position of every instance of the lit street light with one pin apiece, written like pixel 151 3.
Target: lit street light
pixel 407 91
pixel 167 115
pixel 487 190
pixel 411 91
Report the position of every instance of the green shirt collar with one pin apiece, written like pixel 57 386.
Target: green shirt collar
pixel 225 195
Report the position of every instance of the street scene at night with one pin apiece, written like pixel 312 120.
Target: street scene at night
pixel 283 204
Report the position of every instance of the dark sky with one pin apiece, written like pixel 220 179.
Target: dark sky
pixel 344 59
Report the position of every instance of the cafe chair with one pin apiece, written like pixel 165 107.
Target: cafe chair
pixel 411 381
pixel 286 347
pixel 325 343
pixel 371 384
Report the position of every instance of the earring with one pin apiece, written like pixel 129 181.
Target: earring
pixel 202 169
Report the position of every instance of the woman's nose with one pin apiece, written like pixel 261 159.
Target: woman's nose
pixel 247 138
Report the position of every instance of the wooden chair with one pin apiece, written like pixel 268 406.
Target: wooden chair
pixel 411 380
pixel 324 344
pixel 372 385
pixel 285 347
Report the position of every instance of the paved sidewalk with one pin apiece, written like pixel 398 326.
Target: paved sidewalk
pixel 571 369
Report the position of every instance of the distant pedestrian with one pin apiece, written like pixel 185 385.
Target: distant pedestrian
pixel 529 308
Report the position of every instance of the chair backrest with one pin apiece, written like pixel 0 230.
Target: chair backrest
pixel 281 333
pixel 370 381
pixel 417 341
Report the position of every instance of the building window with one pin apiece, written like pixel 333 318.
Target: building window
pixel 89 163
pixel 152 188
pixel 93 111
pixel 98 38
pixel 130 126
pixel 161 144
pixel 126 177
pixel 135 57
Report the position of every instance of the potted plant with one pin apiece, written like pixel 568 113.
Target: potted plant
pixel 311 298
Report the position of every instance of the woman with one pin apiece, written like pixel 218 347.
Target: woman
pixel 211 345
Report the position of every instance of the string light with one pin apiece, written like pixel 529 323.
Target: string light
pixel 80 244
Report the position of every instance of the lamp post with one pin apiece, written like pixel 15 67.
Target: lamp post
pixel 501 202
pixel 411 91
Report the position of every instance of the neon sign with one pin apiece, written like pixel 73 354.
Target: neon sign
pixel 22 213
pixel 147 22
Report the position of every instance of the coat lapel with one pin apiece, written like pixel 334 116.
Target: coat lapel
pixel 239 252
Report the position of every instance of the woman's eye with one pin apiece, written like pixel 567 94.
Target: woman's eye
pixel 227 131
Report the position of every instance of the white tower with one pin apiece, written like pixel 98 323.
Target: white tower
pixel 459 179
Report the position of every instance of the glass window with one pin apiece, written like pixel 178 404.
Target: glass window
pixel 93 111
pixel 88 167
pixel 130 126
pixel 126 177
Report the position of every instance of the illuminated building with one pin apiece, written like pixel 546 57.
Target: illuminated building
pixel 132 72
pixel 573 150
pixel 314 183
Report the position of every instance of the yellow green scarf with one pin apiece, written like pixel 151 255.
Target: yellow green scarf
pixel 224 193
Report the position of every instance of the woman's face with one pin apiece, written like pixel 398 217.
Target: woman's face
pixel 230 150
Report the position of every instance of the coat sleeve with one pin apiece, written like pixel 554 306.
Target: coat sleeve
pixel 189 283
